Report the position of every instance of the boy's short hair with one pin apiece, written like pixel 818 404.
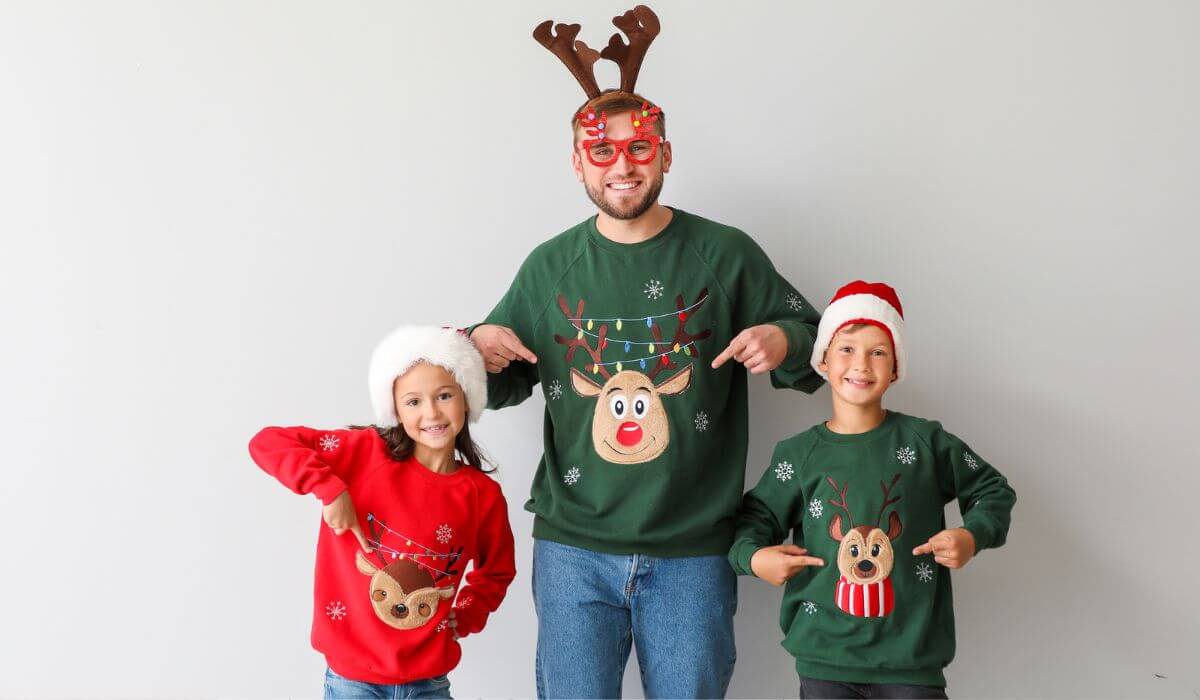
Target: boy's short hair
pixel 618 102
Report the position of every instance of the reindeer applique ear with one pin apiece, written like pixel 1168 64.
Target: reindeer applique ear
pixel 583 386
pixel 364 566
pixel 893 526
pixel 678 383
pixel 446 593
pixel 835 528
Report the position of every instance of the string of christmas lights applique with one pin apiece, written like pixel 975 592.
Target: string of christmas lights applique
pixel 629 424
pixel 407 579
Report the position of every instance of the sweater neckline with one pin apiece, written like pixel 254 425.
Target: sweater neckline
pixel 641 246
pixel 850 438
pixel 412 465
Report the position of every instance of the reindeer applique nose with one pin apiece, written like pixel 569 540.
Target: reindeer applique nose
pixel 865 567
pixel 629 434
pixel 400 611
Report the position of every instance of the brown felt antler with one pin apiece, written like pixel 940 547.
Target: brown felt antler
pixel 574 344
pixel 842 493
pixel 682 337
pixel 578 57
pixel 886 501
pixel 640 25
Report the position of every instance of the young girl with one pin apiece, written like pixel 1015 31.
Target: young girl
pixel 385 611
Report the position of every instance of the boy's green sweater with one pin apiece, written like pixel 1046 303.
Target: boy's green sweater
pixel 818 476
pixel 645 443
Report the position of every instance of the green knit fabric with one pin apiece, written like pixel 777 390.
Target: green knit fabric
pixel 709 279
pixel 801 493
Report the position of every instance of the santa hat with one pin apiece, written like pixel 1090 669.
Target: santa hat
pixel 873 303
pixel 408 345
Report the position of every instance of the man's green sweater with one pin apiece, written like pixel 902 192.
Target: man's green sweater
pixel 645 443
pixel 874 613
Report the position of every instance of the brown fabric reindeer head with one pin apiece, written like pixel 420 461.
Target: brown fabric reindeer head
pixel 865 554
pixel 403 594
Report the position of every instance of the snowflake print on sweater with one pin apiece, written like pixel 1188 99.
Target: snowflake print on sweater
pixel 970 460
pixel 554 390
pixel 924 572
pixel 810 607
pixel 329 443
pixel 571 476
pixel 653 289
pixel 701 421
pixel 816 508
pixel 335 610
pixel 784 471
pixel 443 533
pixel 906 455
pixel 794 303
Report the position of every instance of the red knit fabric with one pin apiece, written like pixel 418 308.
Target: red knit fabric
pixel 871 600
pixel 411 515
pixel 878 289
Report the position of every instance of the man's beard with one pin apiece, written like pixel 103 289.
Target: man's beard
pixel 632 211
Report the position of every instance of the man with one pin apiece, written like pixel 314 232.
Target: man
pixel 640 324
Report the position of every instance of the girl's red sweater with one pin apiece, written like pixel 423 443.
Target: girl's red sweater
pixel 381 617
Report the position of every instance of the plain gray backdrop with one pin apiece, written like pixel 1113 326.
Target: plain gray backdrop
pixel 211 211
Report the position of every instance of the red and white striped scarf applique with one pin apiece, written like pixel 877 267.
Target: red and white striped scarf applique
pixel 870 600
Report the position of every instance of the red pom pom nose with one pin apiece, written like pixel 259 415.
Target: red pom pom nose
pixel 629 434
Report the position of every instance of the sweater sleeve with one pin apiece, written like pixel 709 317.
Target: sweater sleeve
pixel 320 462
pixel 768 511
pixel 514 383
pixel 764 296
pixel 984 497
pixel 493 569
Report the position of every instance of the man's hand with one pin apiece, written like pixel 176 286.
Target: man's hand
pixel 341 517
pixel 777 564
pixel 499 346
pixel 950 548
pixel 760 348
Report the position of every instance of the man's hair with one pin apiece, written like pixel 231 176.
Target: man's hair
pixel 618 102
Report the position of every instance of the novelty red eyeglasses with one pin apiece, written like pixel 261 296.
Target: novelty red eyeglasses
pixel 641 148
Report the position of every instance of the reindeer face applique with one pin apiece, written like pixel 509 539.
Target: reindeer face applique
pixel 629 423
pixel 402 593
pixel 865 557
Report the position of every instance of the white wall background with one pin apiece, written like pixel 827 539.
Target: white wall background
pixel 212 210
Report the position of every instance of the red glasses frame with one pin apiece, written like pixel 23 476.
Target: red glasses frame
pixel 642 127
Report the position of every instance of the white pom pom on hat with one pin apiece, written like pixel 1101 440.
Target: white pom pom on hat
pixel 873 303
pixel 408 345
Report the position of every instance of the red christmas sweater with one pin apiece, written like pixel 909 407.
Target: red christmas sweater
pixel 381 617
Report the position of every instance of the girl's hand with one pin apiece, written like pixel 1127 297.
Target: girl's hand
pixel 452 623
pixel 340 516
pixel 950 548
pixel 777 564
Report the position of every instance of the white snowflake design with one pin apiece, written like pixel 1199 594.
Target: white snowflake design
pixel 464 603
pixel 970 461
pixel 653 290
pixel 554 390
pixel 784 471
pixel 906 455
pixel 329 443
pixel 816 508
pixel 441 626
pixel 925 572
pixel 794 303
pixel 571 476
pixel 443 533
pixel 335 610
pixel 701 421
pixel 810 607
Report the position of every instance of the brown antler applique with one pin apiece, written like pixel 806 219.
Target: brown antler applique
pixel 886 501
pixel 640 25
pixel 578 57
pixel 683 339
pixel 581 341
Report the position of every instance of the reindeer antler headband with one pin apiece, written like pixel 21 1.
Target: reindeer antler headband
pixel 640 25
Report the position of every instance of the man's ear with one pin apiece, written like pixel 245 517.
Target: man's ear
pixel 666 153
pixel 577 164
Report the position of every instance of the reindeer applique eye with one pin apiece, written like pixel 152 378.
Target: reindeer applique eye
pixel 640 407
pixel 423 609
pixel 875 548
pixel 618 404
pixel 378 594
pixel 854 550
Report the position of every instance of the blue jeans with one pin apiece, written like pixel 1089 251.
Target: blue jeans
pixel 591 607
pixel 342 688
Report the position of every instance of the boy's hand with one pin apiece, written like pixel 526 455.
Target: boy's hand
pixel 777 564
pixel 499 346
pixel 760 348
pixel 340 516
pixel 950 548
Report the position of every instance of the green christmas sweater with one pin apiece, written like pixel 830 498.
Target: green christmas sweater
pixel 645 443
pixel 874 613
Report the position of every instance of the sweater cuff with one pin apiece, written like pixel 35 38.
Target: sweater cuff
pixel 469 620
pixel 982 535
pixel 328 489
pixel 740 557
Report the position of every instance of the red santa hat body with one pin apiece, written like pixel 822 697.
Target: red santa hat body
pixel 408 345
pixel 873 303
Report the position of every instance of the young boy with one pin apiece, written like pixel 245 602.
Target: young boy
pixel 867 611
